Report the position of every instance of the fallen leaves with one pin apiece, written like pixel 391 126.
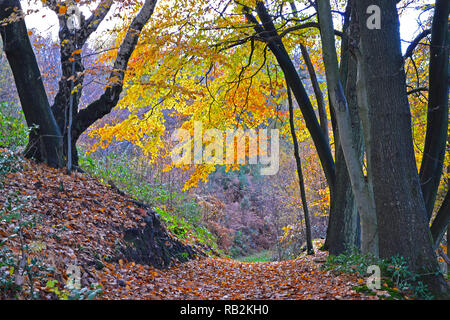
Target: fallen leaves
pixel 226 279
pixel 82 223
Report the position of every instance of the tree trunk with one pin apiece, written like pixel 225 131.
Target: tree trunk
pixel 448 253
pixel 46 140
pixel 437 119
pixel 399 202
pixel 343 225
pixel 317 92
pixel 441 222
pixel 363 196
pixel 301 180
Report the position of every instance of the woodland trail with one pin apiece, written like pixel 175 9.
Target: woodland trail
pixel 226 279
pixel 79 224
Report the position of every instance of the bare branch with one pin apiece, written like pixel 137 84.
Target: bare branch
pixel 110 98
pixel 415 43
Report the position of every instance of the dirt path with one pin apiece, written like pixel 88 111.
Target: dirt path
pixel 80 223
pixel 225 279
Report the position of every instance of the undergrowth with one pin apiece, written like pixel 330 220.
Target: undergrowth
pixel 13 131
pixel 22 266
pixel 181 215
pixel 396 279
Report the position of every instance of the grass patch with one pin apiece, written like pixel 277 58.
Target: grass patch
pixel 263 256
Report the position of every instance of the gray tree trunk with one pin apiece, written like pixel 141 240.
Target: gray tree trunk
pixel 343 226
pixel 400 206
pixel 363 195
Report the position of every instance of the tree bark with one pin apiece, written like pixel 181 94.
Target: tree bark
pixel 400 206
pixel 46 140
pixel 363 196
pixel 343 227
pixel 437 118
pixel 441 222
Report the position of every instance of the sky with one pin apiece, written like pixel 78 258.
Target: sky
pixel 46 21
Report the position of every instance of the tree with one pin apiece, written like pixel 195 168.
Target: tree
pixel 427 62
pixel 400 206
pixel 301 180
pixel 343 232
pixel 361 189
pixel 23 64
pixel 46 135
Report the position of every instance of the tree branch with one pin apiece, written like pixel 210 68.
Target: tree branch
pixel 415 43
pixel 91 25
pixel 101 107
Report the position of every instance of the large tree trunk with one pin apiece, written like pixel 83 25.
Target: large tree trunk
pixel 400 207
pixel 46 140
pixel 363 195
pixel 343 226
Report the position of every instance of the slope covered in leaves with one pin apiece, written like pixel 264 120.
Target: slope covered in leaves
pixel 80 222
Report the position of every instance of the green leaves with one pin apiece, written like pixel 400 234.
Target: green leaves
pixel 13 131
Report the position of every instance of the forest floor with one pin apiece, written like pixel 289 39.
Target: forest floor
pixel 80 223
pixel 226 279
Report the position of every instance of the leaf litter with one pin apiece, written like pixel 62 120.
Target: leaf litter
pixel 82 223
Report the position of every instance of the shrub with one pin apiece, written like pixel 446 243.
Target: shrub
pixel 397 279
pixel 181 215
pixel 13 130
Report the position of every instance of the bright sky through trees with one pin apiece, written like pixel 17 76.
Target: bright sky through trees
pixel 46 21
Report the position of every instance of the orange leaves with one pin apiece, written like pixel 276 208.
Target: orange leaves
pixel 62 10
pixel 217 279
pixel 77 52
